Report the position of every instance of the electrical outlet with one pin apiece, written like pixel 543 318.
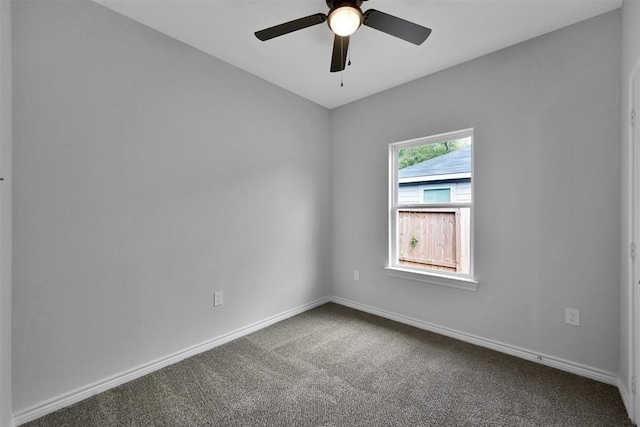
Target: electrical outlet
pixel 572 316
pixel 356 275
pixel 217 298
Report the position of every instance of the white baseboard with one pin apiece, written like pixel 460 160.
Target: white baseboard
pixel 555 362
pixel 85 392
pixel 625 398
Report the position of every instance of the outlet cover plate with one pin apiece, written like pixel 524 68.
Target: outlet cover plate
pixel 572 316
pixel 217 299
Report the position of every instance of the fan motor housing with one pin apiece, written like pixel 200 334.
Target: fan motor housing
pixel 334 4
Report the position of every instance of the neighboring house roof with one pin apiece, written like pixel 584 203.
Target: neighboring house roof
pixel 458 161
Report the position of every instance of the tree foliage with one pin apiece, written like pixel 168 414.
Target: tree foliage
pixel 413 155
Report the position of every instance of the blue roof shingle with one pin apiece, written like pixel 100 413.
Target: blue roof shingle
pixel 458 161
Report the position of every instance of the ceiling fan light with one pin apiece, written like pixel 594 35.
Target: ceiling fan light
pixel 345 20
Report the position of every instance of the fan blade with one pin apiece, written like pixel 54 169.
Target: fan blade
pixel 397 27
pixel 291 26
pixel 339 57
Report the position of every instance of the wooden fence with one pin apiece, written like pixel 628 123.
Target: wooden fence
pixel 436 239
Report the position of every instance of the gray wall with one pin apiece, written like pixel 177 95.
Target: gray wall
pixel 5 214
pixel 147 176
pixel 630 64
pixel 546 115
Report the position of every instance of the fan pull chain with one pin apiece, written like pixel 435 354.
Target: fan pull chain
pixel 342 61
pixel 349 53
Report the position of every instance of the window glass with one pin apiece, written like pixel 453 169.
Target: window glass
pixel 437 195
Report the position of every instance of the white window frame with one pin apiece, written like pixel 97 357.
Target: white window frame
pixel 394 268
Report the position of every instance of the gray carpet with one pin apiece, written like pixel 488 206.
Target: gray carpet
pixel 334 366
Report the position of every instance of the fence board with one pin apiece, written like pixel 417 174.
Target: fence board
pixel 432 239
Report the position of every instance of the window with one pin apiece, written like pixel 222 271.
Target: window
pixel 436 195
pixel 430 209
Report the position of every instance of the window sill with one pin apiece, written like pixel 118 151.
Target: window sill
pixel 450 281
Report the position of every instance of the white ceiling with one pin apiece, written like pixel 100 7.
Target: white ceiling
pixel 299 62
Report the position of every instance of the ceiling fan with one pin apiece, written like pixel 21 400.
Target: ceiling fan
pixel 344 18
